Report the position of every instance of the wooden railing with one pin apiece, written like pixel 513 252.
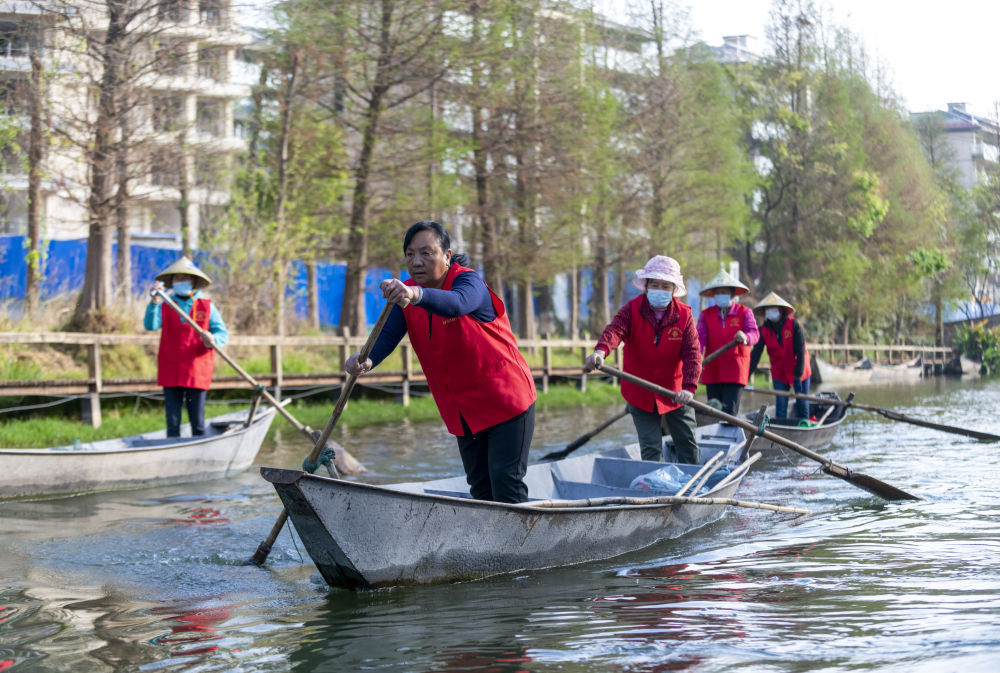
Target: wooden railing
pixel 95 383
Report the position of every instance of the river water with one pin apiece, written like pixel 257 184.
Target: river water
pixel 155 580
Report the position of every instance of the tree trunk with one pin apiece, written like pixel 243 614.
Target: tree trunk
pixel 124 261
pixel 312 294
pixel 352 314
pixel 96 293
pixel 36 153
pixel 600 314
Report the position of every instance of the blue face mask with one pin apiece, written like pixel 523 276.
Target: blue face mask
pixel 659 298
pixel 182 288
pixel 722 300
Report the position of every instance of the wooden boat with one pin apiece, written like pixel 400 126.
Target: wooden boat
pixel 857 372
pixel 227 448
pixel 911 370
pixel 812 437
pixel 363 536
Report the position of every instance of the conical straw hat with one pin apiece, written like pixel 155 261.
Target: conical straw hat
pixel 723 279
pixel 184 265
pixel 774 300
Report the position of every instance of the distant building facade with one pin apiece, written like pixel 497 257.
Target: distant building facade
pixel 974 142
pixel 184 119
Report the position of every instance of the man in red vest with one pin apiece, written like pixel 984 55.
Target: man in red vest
pixel 786 349
pixel 661 346
pixel 720 324
pixel 481 383
pixel 185 360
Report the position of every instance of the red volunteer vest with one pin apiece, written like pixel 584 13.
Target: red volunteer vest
pixel 473 369
pixel 657 363
pixel 733 366
pixel 183 360
pixel 782 355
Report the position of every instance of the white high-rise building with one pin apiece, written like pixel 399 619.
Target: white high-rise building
pixel 183 125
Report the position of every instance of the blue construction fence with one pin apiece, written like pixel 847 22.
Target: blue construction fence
pixel 65 261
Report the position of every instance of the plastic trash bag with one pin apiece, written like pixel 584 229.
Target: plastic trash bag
pixel 667 478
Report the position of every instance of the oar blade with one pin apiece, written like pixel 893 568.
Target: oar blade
pixel 871 484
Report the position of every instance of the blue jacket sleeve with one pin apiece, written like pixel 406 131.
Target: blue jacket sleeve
pixel 392 333
pixel 218 328
pixel 468 296
pixel 153 319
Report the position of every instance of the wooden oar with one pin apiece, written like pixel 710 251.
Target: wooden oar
pixel 709 464
pixel 310 433
pixel 708 358
pixel 661 500
pixel 862 481
pixel 888 413
pixel 582 439
pixel 264 548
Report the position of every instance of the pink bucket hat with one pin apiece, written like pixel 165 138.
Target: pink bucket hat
pixel 661 267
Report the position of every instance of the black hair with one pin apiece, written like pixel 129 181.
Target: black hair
pixel 442 236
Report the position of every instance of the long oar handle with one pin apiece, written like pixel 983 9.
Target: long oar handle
pixel 348 387
pixel 662 500
pixel 264 549
pixel 862 481
pixel 708 358
pixel 888 413
pixel 733 420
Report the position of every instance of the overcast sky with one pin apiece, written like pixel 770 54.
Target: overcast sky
pixel 936 53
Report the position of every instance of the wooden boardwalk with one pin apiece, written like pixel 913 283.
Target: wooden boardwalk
pixel 91 387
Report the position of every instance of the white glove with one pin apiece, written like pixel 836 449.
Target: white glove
pixel 593 361
pixel 683 396
pixel 356 368
pixel 741 337
pixel 154 296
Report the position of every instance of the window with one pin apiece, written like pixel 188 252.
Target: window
pixel 16 39
pixel 211 115
pixel 212 64
pixel 172 59
pixel 168 113
pixel 210 12
pixel 165 168
pixel 174 10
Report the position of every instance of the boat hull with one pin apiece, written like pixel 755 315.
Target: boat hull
pixel 363 536
pixel 142 460
pixel 813 437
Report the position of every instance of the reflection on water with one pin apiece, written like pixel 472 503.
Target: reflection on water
pixel 156 579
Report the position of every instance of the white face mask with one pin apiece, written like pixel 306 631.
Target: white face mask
pixel 659 298
pixel 772 314
pixel 722 300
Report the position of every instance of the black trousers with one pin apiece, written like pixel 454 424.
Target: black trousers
pixel 495 459
pixel 727 393
pixel 173 398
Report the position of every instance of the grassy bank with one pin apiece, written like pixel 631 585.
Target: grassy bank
pixel 122 418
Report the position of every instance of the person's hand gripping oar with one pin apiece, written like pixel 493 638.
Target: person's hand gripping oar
pixel 313 461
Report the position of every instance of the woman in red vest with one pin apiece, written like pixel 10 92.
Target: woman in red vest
pixel 786 349
pixel 718 325
pixel 481 383
pixel 185 361
pixel 661 346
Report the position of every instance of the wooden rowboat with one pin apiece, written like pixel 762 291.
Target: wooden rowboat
pixel 812 437
pixel 857 372
pixel 363 536
pixel 911 370
pixel 227 448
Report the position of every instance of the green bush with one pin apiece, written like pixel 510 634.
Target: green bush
pixel 981 343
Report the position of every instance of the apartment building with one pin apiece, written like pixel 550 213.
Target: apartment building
pixel 181 122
